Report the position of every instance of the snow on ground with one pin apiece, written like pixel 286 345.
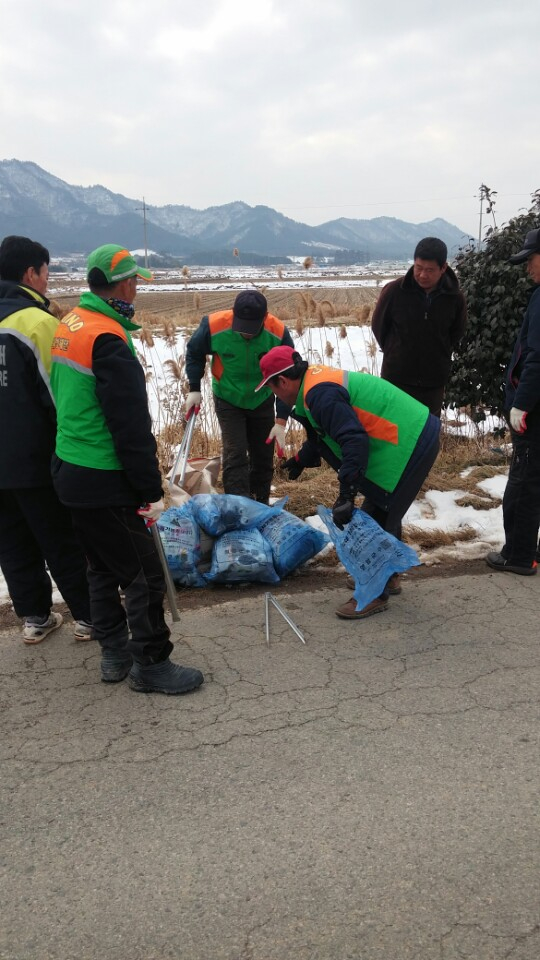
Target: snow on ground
pixel 437 511
pixel 357 351
pixel 219 278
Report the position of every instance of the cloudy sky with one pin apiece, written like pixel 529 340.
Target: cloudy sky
pixel 318 108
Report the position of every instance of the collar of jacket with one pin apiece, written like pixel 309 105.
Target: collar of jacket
pixel 90 301
pixel 14 291
pixel 447 284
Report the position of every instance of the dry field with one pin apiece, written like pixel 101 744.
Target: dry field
pixel 186 306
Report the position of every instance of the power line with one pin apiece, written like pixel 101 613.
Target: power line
pixel 381 203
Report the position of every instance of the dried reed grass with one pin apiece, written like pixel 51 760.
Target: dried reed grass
pixel 431 539
pixel 478 502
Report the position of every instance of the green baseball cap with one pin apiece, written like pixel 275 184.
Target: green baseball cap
pixel 116 263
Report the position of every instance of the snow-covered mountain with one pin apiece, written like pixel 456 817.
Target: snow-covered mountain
pixel 74 219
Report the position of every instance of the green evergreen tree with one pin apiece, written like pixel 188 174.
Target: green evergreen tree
pixel 497 295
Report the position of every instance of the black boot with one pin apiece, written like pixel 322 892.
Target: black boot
pixel 165 677
pixel 115 665
pixel 497 562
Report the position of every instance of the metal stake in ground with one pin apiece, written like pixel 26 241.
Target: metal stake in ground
pixel 268 599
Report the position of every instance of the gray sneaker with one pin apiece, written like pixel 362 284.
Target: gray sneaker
pixel 166 677
pixel 83 630
pixel 36 629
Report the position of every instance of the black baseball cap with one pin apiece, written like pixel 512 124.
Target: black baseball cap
pixel 531 245
pixel 249 311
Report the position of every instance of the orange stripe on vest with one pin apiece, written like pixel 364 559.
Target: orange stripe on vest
pixel 376 427
pixel 217 366
pixel 222 320
pixel 77 331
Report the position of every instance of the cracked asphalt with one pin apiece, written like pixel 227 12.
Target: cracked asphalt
pixel 372 795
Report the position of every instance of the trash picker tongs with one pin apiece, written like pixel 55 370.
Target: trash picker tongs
pixel 183 451
pixel 171 590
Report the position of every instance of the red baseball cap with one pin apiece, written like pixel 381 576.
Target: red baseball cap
pixel 277 360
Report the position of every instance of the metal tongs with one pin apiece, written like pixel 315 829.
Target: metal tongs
pixel 183 451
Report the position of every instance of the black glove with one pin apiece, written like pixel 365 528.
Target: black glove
pixel 342 512
pixel 293 467
pixel 343 508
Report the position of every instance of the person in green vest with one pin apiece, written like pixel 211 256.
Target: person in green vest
pixel 381 442
pixel 236 340
pixel 105 469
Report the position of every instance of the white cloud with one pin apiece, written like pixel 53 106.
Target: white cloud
pixel 317 109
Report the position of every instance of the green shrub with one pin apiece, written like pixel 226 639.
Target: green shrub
pixel 497 294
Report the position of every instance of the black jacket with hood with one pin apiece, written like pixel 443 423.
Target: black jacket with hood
pixel 418 332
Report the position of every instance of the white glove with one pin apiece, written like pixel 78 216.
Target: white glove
pixel 517 420
pixel 277 433
pixel 151 512
pixel 193 399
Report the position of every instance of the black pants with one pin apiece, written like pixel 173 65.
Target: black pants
pixel 121 555
pixel 36 529
pixel 248 461
pixel 388 509
pixel 432 397
pixel 521 501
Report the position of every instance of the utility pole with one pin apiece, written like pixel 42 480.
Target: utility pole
pixel 143 208
pixel 145 237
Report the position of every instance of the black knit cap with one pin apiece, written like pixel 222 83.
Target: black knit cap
pixel 249 311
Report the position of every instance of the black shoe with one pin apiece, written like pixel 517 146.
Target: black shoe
pixel 115 666
pixel 166 677
pixel 497 562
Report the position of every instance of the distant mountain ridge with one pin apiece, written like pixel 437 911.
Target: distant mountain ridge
pixel 73 219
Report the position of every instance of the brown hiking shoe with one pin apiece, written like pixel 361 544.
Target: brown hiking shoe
pixel 393 586
pixel 348 610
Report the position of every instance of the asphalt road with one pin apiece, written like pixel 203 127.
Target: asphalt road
pixel 372 795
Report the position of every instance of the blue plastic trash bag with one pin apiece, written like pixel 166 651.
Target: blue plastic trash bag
pixel 241 556
pixel 292 541
pixel 368 553
pixel 180 536
pixel 219 512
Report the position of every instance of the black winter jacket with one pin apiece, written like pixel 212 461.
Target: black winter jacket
pixel 523 377
pixel 418 332
pixel 27 410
